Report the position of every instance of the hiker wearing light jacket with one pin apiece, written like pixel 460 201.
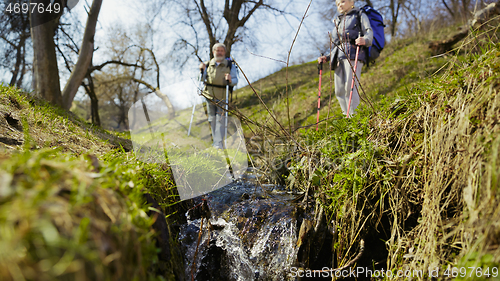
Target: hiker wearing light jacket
pixel 349 24
pixel 217 71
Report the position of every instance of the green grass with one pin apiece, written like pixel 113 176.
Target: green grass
pixel 72 201
pixel 418 172
pixel 401 64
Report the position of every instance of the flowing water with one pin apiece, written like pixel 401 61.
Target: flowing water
pixel 252 234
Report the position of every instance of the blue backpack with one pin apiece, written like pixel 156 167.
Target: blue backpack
pixel 377 24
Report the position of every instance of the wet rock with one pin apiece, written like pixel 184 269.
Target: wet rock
pixel 303 242
pixel 213 265
pixel 254 234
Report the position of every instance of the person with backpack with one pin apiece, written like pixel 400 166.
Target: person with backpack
pixel 351 36
pixel 219 74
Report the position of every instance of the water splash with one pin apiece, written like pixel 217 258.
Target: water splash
pixel 252 236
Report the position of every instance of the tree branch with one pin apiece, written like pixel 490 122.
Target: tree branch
pixel 202 10
pixel 161 95
pixel 75 47
pixel 269 7
pixel 254 8
pixel 448 8
pixel 7 40
pixel 100 66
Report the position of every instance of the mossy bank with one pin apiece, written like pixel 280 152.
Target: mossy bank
pixel 75 204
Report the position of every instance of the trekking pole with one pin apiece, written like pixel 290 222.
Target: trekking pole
pixel 353 74
pixel 228 160
pixel 320 71
pixel 226 107
pixel 194 105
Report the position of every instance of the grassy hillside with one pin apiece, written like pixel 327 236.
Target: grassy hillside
pixel 401 64
pixel 416 176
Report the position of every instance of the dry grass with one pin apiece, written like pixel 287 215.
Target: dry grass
pixel 447 158
pixel 425 179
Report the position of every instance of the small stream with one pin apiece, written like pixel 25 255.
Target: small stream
pixel 245 230
pixel 252 234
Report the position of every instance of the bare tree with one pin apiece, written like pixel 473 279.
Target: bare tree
pixel 459 10
pixel 156 89
pixel 130 45
pixel 65 46
pixel 414 18
pixel 130 72
pixel 46 72
pixel 117 96
pixel 15 33
pixel 395 8
pixel 208 22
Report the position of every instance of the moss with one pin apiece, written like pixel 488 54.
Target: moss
pixel 72 200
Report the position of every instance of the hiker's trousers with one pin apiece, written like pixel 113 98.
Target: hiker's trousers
pixel 343 79
pixel 217 119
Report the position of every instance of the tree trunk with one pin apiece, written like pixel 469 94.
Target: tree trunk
pixel 94 102
pixel 94 108
pixel 208 26
pixel 15 73
pixel 395 7
pixel 448 9
pixel 229 41
pixel 84 57
pixel 232 16
pixel 465 5
pixel 19 82
pixel 46 74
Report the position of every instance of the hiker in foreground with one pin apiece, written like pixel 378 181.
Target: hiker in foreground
pixel 220 75
pixel 350 38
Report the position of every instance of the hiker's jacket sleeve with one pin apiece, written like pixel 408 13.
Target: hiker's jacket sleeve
pixel 367 30
pixel 334 39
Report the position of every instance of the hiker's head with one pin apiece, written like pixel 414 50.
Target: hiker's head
pixel 219 51
pixel 344 6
